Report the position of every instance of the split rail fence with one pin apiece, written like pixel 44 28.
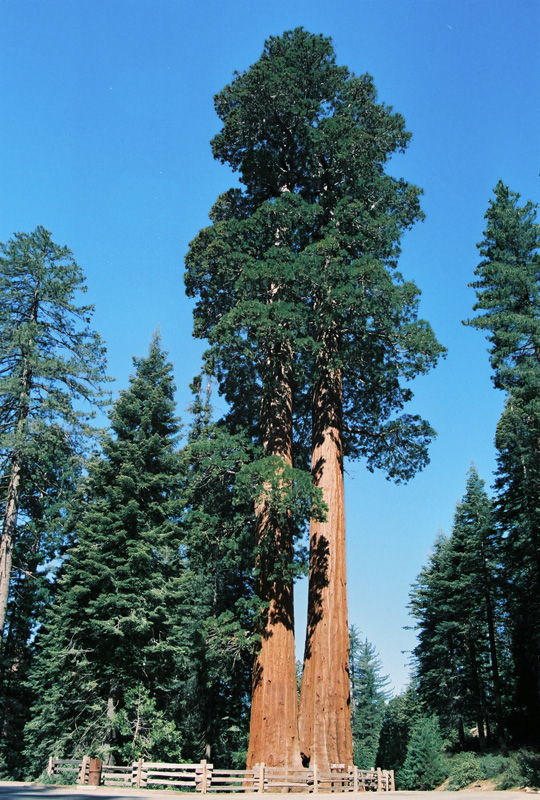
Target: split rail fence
pixel 204 778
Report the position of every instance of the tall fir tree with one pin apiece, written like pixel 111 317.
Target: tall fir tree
pixel 508 299
pixel 369 693
pixel 217 525
pixel 114 647
pixel 301 304
pixel 424 768
pixel 457 607
pixel 52 366
pixel 50 359
pixel 400 716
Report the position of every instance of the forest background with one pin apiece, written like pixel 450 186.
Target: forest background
pixel 106 115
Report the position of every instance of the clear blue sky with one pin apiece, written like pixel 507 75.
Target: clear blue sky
pixel 106 114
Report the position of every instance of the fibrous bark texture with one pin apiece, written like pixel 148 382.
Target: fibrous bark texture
pixel 273 736
pixel 325 715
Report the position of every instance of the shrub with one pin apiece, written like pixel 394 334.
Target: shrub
pixel 529 765
pixel 465 768
pixel 493 765
pixel 511 777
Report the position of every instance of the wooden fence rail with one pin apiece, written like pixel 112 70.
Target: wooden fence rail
pixel 204 778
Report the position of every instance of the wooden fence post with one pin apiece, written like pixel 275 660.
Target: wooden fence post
pixel 203 776
pixel 82 772
pixel 355 779
pixel 379 779
pixel 392 781
pixel 315 779
pixel 50 767
pixel 261 777
pixel 137 769
pixel 94 772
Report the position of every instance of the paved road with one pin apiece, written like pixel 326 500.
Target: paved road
pixel 35 791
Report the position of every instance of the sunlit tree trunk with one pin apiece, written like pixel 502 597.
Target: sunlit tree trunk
pixel 325 714
pixel 273 736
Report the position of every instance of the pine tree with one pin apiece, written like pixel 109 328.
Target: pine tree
pixel 49 361
pixel 508 291
pixel 300 302
pixel 217 523
pixel 368 695
pixel 400 716
pixel 508 297
pixel 457 608
pixel 114 646
pixel 424 767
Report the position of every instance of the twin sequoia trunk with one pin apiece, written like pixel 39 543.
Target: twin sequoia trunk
pixel 325 714
pixel 273 735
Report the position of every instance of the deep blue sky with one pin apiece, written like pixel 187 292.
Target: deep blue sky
pixel 106 114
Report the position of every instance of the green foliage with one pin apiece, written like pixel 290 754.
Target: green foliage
pixel 299 268
pixel 425 767
pixel 400 715
pixel 508 291
pixel 218 536
pixel 368 695
pixel 144 730
pixel 511 778
pixel 508 297
pixel 115 638
pixel 51 367
pixel 529 763
pixel 465 768
pixel 457 607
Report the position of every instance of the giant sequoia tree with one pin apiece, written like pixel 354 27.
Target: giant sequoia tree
pixel 307 318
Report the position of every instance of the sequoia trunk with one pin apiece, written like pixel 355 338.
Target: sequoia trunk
pixel 273 735
pixel 325 714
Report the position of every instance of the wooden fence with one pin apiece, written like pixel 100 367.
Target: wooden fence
pixel 204 778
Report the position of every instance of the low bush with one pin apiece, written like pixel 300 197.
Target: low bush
pixel 529 765
pixel 465 768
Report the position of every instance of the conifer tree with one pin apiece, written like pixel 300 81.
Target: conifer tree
pixel 51 367
pixel 400 716
pixel 301 303
pixel 508 299
pixel 217 533
pixel 114 645
pixel 424 768
pixel 369 691
pixel 457 609
pixel 49 360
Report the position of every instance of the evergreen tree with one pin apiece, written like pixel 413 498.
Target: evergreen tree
pixel 508 291
pixel 51 367
pixel 298 295
pixel 368 695
pixel 218 537
pixel 516 506
pixel 456 608
pixel 113 648
pixel 424 767
pixel 49 361
pixel 400 716
pixel 508 297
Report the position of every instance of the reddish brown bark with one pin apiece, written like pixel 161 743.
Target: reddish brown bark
pixel 273 735
pixel 325 716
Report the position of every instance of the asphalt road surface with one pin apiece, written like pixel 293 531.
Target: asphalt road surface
pixel 35 791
